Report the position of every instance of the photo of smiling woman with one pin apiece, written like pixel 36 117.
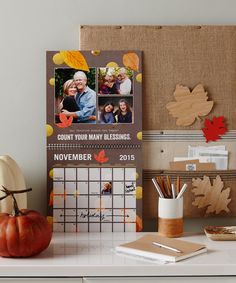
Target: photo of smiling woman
pixel 68 102
pixel 124 113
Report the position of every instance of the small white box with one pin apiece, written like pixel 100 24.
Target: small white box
pixel 82 174
pixel 58 174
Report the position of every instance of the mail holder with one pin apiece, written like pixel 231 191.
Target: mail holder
pixel 170 217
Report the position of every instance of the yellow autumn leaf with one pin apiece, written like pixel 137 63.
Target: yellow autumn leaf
pixel 131 60
pixel 139 193
pixel 49 130
pixel 139 78
pixel 75 60
pixel 111 65
pixel 51 173
pixel 52 81
pixel 58 59
pixel 140 136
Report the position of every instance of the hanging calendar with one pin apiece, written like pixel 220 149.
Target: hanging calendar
pixel 94 133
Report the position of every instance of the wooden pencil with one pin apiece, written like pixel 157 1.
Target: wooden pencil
pixel 178 185
pixel 169 185
pixel 160 182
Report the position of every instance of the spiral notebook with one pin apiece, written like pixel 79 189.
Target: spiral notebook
pixel 156 247
pixel 94 132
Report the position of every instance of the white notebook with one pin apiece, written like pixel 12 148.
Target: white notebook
pixel 145 247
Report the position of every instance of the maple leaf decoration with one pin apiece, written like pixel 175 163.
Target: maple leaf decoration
pixel 214 129
pixel 189 106
pixel 101 157
pixel 65 122
pixel 214 197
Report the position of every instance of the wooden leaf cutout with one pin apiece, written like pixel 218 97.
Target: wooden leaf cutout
pixel 131 60
pixel 75 60
pixel 214 129
pixel 65 122
pixel 189 105
pixel 214 197
pixel 101 157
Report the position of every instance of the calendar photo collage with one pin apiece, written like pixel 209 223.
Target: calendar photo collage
pixel 94 141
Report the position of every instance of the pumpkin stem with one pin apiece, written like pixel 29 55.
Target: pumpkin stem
pixel 16 211
pixel 11 193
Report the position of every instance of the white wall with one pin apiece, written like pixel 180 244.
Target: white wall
pixel 30 27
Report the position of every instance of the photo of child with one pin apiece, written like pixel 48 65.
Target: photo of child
pixel 107 188
pixel 107 115
pixel 115 110
pixel 124 113
pixel 115 81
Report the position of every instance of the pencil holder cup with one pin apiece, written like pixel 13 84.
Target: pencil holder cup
pixel 170 217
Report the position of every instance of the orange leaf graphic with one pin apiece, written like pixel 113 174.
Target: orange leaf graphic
pixel 101 157
pixel 51 199
pixel 65 122
pixel 75 60
pixel 139 224
pixel 131 60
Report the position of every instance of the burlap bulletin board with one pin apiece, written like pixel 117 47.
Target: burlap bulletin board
pixel 173 55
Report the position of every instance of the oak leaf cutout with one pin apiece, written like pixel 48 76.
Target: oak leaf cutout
pixel 214 129
pixel 75 60
pixel 101 157
pixel 214 196
pixel 65 122
pixel 189 106
pixel 131 61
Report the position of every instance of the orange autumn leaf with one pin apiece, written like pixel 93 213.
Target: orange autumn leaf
pixel 131 60
pixel 75 60
pixel 65 122
pixel 101 157
pixel 139 224
pixel 51 199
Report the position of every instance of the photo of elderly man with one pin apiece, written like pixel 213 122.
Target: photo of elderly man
pixel 85 99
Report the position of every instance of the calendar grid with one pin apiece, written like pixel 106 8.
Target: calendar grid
pixel 94 199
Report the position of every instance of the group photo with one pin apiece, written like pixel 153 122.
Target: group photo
pixel 75 95
pixel 115 81
pixel 115 110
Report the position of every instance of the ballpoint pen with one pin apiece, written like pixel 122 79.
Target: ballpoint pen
pixel 166 247
pixel 157 188
pixel 182 191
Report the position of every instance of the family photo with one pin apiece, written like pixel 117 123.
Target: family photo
pixel 75 95
pixel 115 110
pixel 115 81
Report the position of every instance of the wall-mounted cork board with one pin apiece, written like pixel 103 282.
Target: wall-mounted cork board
pixel 174 55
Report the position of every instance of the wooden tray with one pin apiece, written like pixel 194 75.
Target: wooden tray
pixel 221 233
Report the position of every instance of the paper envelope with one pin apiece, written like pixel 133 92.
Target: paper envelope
pixel 191 165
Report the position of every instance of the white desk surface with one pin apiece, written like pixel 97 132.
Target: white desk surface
pixel 89 254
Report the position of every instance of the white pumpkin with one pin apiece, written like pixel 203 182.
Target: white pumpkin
pixel 12 178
